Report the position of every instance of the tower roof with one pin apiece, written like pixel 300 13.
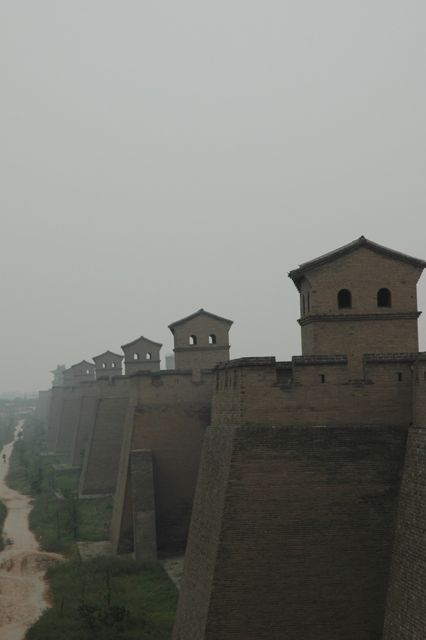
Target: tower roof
pixel 200 312
pixel 141 338
pixel 297 274
pixel 82 363
pixel 106 354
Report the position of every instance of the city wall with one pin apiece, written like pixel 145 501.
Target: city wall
pixel 55 416
pixel 314 390
pixel 113 411
pixel 90 393
pixel 296 503
pixel 171 414
pixel 406 605
pixel 67 426
pixel 292 533
pixel 43 406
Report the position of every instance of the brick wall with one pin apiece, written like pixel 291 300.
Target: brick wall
pixel 309 391
pixel 86 421
pixel 292 534
pixel 69 420
pixel 406 603
pixel 175 436
pixel 100 467
pixel 54 417
pixel 143 506
pixel 43 406
pixel 170 418
pixel 204 536
pixel 355 337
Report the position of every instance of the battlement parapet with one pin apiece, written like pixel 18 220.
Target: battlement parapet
pixel 315 389
pixel 247 362
pixel 390 357
pixel 319 360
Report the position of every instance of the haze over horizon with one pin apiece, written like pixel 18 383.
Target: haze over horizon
pixel 161 157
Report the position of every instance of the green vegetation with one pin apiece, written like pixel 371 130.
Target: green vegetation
pixel 109 599
pixel 58 517
pixel 7 428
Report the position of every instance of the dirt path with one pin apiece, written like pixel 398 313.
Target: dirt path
pixel 22 564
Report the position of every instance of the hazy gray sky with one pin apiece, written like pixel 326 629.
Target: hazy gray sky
pixel 157 157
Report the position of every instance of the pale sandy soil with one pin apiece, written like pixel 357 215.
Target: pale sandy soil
pixel 174 569
pixel 22 564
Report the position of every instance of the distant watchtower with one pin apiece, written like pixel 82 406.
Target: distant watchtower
pixel 58 376
pixel 359 299
pixel 141 354
pixel 81 372
pixel 108 364
pixel 201 340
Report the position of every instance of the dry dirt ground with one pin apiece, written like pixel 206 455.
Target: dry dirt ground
pixel 22 564
pixel 174 569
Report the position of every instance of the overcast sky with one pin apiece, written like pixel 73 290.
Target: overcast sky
pixel 158 157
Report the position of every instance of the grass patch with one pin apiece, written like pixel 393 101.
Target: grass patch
pixel 59 523
pixel 58 518
pixel 109 599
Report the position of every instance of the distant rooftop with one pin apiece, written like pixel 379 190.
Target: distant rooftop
pixel 200 312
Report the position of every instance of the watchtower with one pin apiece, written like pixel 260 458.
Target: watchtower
pixel 108 365
pixel 81 372
pixel 360 298
pixel 58 376
pixel 201 340
pixel 141 354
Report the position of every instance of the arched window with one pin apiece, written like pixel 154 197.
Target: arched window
pixel 192 339
pixel 103 365
pixel 148 356
pixel 384 298
pixel 87 372
pixel 135 356
pixel 344 299
pixel 212 338
pixel 113 365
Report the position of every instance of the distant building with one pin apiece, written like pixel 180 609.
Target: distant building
pixel 58 376
pixel 108 365
pixel 201 340
pixel 141 354
pixel 83 371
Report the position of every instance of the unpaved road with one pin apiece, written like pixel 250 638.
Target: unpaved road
pixel 22 564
